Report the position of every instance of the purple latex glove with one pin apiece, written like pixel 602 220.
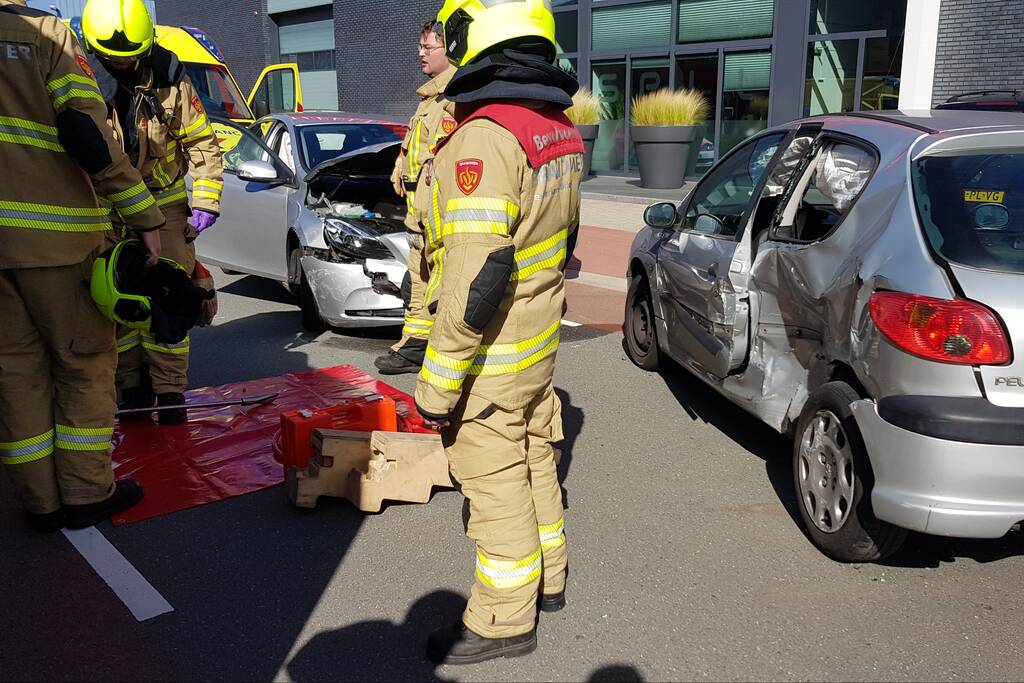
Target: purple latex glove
pixel 201 220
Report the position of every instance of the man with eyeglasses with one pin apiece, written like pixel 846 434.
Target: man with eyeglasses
pixel 432 121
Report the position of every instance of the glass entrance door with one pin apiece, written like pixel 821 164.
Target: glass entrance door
pixel 609 83
pixel 700 73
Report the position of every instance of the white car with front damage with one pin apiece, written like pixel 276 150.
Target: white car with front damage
pixel 308 202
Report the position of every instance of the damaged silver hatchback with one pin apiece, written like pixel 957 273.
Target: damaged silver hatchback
pixel 855 282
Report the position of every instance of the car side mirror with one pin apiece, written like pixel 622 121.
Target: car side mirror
pixel 257 171
pixel 661 215
pixel 708 224
pixel 260 108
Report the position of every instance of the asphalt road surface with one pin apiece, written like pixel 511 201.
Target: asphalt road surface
pixel 686 559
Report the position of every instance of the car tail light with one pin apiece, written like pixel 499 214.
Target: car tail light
pixel 949 331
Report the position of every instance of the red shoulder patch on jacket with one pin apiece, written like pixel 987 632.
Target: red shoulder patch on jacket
pixel 197 105
pixel 544 134
pixel 468 174
pixel 448 124
pixel 83 63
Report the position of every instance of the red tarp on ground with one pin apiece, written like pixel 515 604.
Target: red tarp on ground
pixel 225 452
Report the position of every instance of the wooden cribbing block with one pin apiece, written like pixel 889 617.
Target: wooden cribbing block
pixel 369 468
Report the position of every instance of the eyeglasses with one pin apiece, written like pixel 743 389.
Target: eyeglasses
pixel 427 49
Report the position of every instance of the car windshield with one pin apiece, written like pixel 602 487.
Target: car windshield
pixel 217 92
pixel 972 206
pixel 322 143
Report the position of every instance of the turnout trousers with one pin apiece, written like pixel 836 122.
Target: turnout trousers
pixel 505 464
pixel 418 318
pixel 166 364
pixel 57 406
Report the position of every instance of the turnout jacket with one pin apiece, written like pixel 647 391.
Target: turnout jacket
pixel 58 151
pixel 502 220
pixel 431 123
pixel 172 135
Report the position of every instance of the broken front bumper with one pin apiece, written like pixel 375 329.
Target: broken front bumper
pixel 345 295
pixel 941 486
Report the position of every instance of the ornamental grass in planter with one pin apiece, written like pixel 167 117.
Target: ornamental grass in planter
pixel 585 112
pixel 662 128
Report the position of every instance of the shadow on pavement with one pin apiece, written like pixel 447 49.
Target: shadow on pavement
pixel 929 552
pixel 572 425
pixel 260 288
pixel 703 403
pixel 379 650
pixel 616 673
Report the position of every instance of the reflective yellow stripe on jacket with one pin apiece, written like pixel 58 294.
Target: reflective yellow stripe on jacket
pixel 195 130
pixel 176 192
pixel 71 86
pixel 207 189
pixel 135 199
pixel 18 131
pixel 449 373
pixel 51 217
pixel 479 215
pixel 27 450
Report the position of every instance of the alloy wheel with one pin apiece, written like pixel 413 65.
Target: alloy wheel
pixel 826 477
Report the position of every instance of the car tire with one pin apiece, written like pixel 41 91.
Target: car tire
pixel 312 321
pixel 639 329
pixel 833 480
pixel 294 272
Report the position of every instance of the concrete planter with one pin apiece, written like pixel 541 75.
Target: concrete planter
pixel 589 135
pixel 662 152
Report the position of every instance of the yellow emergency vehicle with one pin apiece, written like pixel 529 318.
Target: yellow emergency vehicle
pixel 276 91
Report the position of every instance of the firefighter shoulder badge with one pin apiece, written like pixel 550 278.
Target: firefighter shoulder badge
pixel 83 64
pixel 468 174
pixel 448 124
pixel 196 104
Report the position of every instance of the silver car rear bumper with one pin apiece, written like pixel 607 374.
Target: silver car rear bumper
pixel 345 296
pixel 941 487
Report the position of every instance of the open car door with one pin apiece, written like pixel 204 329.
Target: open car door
pixel 706 265
pixel 277 91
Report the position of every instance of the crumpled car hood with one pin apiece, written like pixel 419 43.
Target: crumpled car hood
pixel 374 160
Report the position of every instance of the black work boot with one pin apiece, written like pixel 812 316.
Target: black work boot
pixel 456 644
pixel 176 416
pixel 394 363
pixel 134 398
pixel 47 523
pixel 552 603
pixel 127 493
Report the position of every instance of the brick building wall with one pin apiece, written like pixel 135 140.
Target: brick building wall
pixel 241 29
pixel 980 47
pixel 378 68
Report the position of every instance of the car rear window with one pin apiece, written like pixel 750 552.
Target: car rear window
pixel 326 142
pixel 972 207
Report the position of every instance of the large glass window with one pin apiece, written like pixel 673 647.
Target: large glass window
pixel 831 76
pixel 883 58
pixel 705 20
pixel 625 27
pixel 567 31
pixel 745 93
pixel 700 72
pixel 844 16
pixel 310 44
pixel 609 83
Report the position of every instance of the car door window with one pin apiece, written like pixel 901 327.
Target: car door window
pixel 282 145
pixel 720 203
pixel 830 185
pixel 249 148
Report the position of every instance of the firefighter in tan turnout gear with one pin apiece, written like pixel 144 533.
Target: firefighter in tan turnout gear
pixel 164 129
pixel 57 354
pixel 502 223
pixel 432 121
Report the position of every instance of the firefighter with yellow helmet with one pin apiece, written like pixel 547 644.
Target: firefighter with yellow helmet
pixel 502 223
pixel 164 129
pixel 431 122
pixel 57 356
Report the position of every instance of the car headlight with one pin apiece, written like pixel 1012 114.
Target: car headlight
pixel 349 239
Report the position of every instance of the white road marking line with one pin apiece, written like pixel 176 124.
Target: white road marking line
pixel 137 594
pixel 569 323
